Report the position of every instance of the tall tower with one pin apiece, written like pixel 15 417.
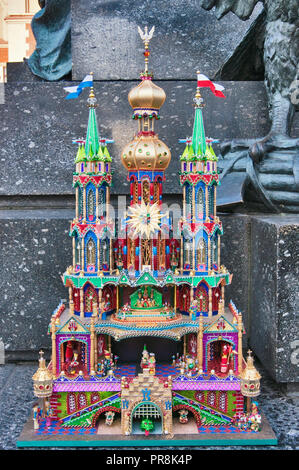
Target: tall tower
pixel 91 229
pixel 146 158
pixel 200 227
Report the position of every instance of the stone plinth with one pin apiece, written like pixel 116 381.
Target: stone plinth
pixel 274 320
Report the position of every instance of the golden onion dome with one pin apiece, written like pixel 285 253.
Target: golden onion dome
pixel 146 152
pixel 42 379
pixel 146 97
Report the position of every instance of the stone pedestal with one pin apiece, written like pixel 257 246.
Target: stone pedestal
pixel 274 294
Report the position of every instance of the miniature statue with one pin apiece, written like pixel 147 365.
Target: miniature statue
pixel 152 364
pixel 36 416
pixel 183 416
pixel 109 418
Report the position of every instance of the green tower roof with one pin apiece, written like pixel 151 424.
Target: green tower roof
pixel 198 136
pixel 92 135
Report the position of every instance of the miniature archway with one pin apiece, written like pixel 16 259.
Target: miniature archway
pixel 202 297
pixel 195 413
pixel 90 297
pixel 104 410
pixel 215 356
pixel 148 409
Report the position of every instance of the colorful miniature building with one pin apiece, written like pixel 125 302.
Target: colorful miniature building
pixel 146 283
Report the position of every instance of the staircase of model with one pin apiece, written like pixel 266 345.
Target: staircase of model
pixel 83 416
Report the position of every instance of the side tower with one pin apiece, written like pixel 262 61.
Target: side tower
pixel 91 229
pixel 200 227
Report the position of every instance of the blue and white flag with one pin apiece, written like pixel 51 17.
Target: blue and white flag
pixel 75 91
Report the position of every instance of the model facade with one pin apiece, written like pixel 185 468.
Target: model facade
pixel 150 294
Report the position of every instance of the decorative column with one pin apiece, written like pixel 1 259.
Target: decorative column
pixel 200 344
pixel 81 303
pixel 210 302
pixel 193 254
pixel 100 302
pixel 77 203
pixel 209 253
pixel 117 299
pixel 182 255
pixel 97 204
pixel 54 363
pixel 215 205
pixel 193 204
pixel 184 202
pixel 92 337
pixel 71 302
pixel 82 256
pixel 207 202
pixel 222 294
pixel 174 303
pixel 74 253
pixel 84 204
pixel 219 243
pixel 191 299
pixel 110 256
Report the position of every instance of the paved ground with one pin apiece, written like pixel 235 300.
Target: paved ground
pixel 16 399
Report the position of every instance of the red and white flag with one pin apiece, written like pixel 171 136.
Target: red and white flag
pixel 203 81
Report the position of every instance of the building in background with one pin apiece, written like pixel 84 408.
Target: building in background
pixel 16 38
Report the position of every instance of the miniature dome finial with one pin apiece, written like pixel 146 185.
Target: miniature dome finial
pixel 146 37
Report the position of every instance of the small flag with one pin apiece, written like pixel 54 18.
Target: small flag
pixel 203 81
pixel 75 91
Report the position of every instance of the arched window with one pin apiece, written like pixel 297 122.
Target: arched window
pixel 94 397
pixel 90 298
pixel 214 250
pixel 202 299
pixel 200 396
pixel 91 252
pixel 80 202
pixel 146 191
pixel 90 205
pixel 212 399
pixel 222 401
pixel 200 203
pixel 71 402
pixel 189 202
pixel 201 252
pixel 102 201
pixel 82 402
pixel 77 251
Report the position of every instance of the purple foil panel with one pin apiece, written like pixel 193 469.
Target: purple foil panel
pixel 206 385
pixel 60 339
pixel 209 337
pixel 87 387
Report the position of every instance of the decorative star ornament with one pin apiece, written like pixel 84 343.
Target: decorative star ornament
pixel 144 219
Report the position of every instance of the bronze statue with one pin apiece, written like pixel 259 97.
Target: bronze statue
pixel 268 167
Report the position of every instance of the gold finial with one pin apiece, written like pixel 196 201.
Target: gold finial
pixel 198 98
pixel 92 99
pixel 146 37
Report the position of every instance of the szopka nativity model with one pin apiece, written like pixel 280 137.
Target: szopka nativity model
pixel 146 347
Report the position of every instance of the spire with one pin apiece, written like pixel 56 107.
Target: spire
pixel 92 135
pixel 198 136
pixel 146 37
